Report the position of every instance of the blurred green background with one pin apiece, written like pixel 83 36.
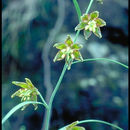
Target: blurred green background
pixel 92 90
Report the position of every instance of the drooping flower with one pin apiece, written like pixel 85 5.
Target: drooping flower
pixel 27 92
pixel 91 23
pixel 69 51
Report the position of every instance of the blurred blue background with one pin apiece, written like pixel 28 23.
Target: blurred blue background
pixel 91 90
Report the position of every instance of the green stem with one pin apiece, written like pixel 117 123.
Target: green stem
pixel 45 104
pixel 59 81
pixel 77 9
pixel 89 6
pixel 105 59
pixel 53 95
pixel 99 121
pixel 76 36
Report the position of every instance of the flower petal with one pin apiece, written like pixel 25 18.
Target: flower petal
pixel 94 15
pixel 77 55
pixel 85 18
pixel 69 41
pixel 80 26
pixel 76 46
pixel 17 93
pixel 20 84
pixel 60 45
pixel 100 22
pixel 28 81
pixel 77 128
pixel 98 32
pixel 59 56
pixel 87 34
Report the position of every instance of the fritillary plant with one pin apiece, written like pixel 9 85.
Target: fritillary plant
pixel 69 51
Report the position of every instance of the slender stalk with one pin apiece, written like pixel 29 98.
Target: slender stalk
pixel 104 59
pixel 53 95
pixel 59 81
pixel 77 9
pixel 46 106
pixel 89 6
pixel 76 36
pixel 99 121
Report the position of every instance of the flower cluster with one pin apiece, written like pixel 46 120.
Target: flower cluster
pixel 27 92
pixel 69 51
pixel 91 23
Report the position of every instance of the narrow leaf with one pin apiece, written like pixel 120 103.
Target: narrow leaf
pixel 16 108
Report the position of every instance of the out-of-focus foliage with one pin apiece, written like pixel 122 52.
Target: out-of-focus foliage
pixel 97 90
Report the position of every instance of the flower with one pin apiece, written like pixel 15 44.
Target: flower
pixel 100 1
pixel 73 126
pixel 27 92
pixel 69 51
pixel 91 23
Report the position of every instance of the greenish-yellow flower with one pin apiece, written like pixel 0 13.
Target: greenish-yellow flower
pixel 69 51
pixel 91 23
pixel 27 92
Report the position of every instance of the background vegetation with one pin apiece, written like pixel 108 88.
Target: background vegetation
pixel 92 90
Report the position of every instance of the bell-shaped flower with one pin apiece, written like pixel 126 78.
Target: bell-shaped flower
pixel 91 23
pixel 27 92
pixel 69 51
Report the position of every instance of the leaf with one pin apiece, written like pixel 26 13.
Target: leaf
pixel 98 32
pixel 14 109
pixel 77 55
pixel 87 34
pixel 100 22
pixel 94 15
pixel 60 46
pixel 80 26
pixel 20 84
pixel 76 46
pixel 59 56
pixel 69 41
